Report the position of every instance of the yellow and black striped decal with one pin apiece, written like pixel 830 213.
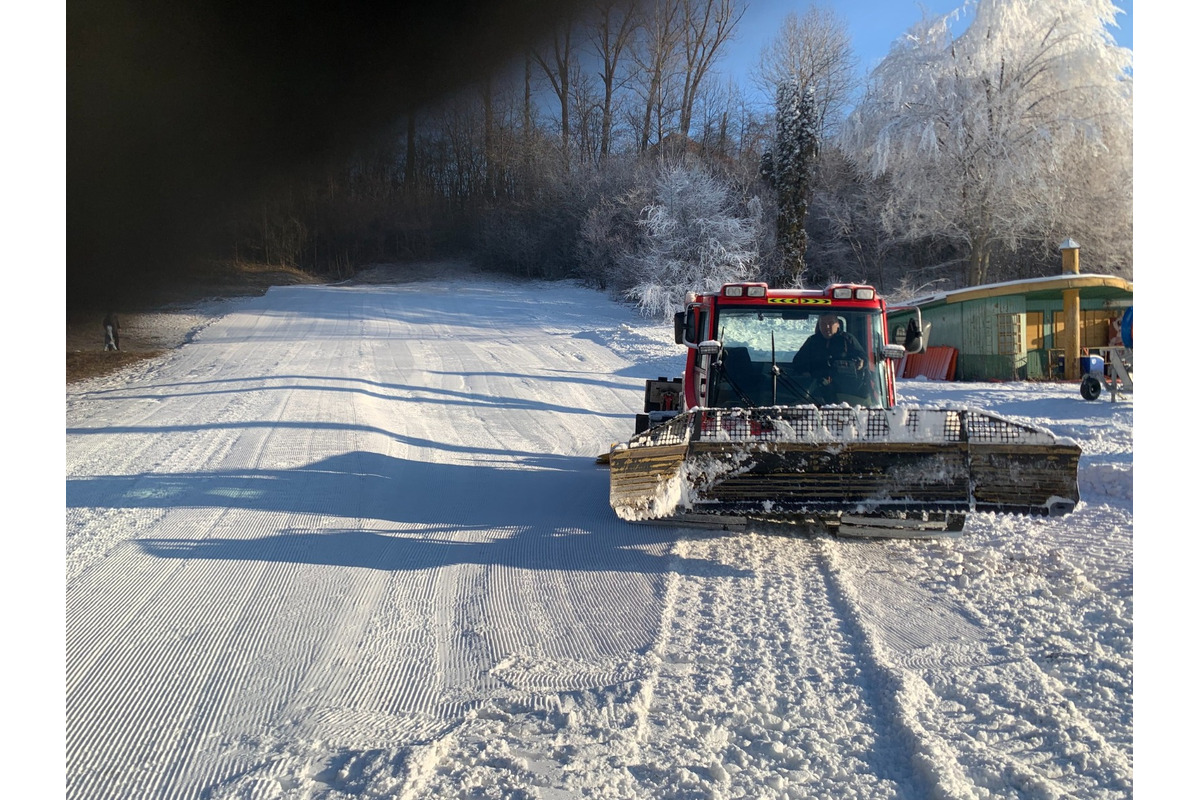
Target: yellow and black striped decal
pixel 800 301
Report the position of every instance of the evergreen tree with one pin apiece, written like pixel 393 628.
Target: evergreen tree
pixel 789 170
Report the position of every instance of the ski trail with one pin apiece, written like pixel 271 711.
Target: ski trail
pixel 309 548
pixel 793 667
pixel 560 742
pixel 353 543
pixel 901 695
pixel 775 680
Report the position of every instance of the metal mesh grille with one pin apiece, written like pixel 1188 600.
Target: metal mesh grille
pixel 841 424
pixel 952 427
pixel 987 428
pixel 676 430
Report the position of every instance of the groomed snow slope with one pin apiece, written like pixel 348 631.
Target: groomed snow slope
pixel 350 542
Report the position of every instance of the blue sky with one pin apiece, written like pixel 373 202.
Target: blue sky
pixel 873 26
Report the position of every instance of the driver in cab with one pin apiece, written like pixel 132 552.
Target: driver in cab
pixel 831 356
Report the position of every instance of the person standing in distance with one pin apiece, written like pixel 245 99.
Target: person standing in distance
pixel 112 332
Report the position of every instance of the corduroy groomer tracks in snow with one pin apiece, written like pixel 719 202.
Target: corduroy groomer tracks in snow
pixel 351 542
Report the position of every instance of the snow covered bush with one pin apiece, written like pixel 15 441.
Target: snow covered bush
pixel 609 233
pixel 697 236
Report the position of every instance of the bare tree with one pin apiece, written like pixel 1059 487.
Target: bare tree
pixel 587 106
pixel 715 117
pixel 504 133
pixel 708 25
pixel 611 32
pixel 492 179
pixel 557 65
pixel 410 150
pixel 654 57
pixel 813 50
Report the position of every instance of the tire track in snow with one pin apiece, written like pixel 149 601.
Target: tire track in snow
pixel 773 678
pixel 936 770
pixel 983 720
pixel 753 687
pixel 1069 605
pixel 860 664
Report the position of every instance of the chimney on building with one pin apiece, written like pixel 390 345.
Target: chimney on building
pixel 1070 256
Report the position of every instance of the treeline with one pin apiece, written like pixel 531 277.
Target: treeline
pixel 616 153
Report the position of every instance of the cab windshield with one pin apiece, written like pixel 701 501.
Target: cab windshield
pixel 788 356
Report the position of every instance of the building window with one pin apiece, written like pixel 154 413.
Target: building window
pixel 1035 337
pixel 1093 328
pixel 1008 332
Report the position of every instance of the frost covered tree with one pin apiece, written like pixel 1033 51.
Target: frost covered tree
pixel 697 236
pixel 991 138
pixel 789 170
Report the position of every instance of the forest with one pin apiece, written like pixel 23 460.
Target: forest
pixel 603 143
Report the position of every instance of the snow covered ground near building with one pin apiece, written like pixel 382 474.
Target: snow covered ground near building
pixel 351 541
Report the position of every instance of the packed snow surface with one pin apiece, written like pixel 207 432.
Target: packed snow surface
pixel 352 542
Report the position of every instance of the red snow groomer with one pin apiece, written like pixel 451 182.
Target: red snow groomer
pixel 786 412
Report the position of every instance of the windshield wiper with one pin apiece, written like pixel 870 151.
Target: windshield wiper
pixel 748 403
pixel 774 374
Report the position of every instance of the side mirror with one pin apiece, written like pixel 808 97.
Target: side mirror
pixel 688 326
pixel 915 334
pixel 913 341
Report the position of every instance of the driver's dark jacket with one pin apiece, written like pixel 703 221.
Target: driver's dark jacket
pixel 816 356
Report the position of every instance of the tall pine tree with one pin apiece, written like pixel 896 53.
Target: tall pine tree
pixel 789 170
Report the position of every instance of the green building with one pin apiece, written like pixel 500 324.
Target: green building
pixel 1020 330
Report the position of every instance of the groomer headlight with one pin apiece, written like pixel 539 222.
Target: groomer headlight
pixel 864 294
pixel 734 291
pixel 756 291
pixel 842 293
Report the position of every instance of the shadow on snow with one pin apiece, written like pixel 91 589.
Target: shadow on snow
pixel 549 512
pixel 404 393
